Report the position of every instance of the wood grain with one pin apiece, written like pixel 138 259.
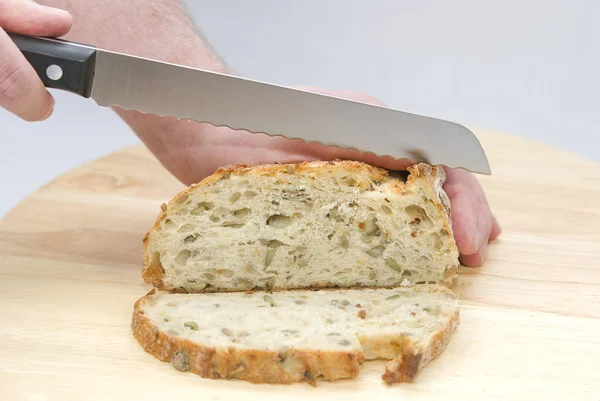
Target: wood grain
pixel 530 318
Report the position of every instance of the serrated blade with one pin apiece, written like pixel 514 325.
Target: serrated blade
pixel 222 100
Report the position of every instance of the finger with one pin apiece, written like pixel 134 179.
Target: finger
pixel 464 223
pixel 496 229
pixel 464 210
pixel 484 228
pixel 30 18
pixel 21 90
pixel 476 259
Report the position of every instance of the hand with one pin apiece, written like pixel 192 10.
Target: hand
pixel 193 151
pixel 21 90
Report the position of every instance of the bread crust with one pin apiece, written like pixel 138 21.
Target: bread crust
pixel 407 356
pixel 430 178
pixel 406 366
pixel 255 366
pixel 273 367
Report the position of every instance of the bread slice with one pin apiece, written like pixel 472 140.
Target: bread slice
pixel 294 336
pixel 309 225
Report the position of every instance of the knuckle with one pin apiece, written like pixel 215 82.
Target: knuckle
pixel 11 83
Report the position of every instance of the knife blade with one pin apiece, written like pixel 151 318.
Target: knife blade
pixel 166 89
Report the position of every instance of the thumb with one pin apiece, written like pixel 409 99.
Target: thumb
pixel 30 18
pixel 21 91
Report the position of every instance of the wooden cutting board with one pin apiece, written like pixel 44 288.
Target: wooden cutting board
pixel 530 318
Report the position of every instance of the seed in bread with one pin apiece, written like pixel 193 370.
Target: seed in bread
pixel 295 336
pixel 308 225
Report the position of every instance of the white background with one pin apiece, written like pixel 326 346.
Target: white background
pixel 528 68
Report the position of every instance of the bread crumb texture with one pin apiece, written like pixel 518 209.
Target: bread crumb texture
pixel 310 225
pixel 297 336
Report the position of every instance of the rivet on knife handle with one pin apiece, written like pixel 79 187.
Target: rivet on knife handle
pixel 61 65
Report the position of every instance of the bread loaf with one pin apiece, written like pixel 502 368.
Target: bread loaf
pixel 310 225
pixel 294 336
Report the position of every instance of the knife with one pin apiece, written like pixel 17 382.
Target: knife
pixel 165 89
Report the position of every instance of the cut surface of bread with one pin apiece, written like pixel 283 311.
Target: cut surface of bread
pixel 294 336
pixel 309 225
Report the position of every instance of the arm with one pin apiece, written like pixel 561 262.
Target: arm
pixel 158 29
pixel 162 30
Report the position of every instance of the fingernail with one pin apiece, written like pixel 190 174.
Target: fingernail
pixel 48 114
pixel 56 10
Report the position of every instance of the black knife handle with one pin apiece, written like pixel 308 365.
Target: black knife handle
pixel 59 64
